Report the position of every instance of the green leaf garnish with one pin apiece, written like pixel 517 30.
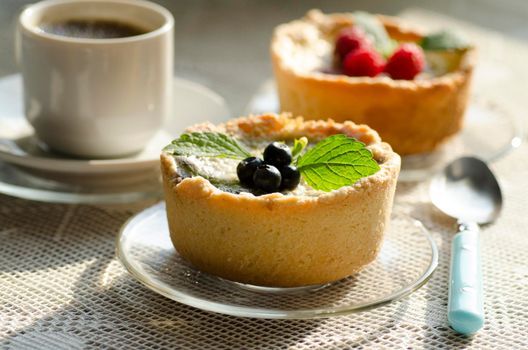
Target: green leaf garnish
pixel 376 31
pixel 207 144
pixel 298 147
pixel 335 162
pixel 444 40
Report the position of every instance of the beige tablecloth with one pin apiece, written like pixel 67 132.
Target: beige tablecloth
pixel 61 286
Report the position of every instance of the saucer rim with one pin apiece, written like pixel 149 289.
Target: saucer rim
pixel 266 94
pixel 103 166
pixel 262 313
pixel 62 197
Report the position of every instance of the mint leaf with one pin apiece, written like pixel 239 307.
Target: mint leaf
pixel 298 147
pixel 207 144
pixel 444 40
pixel 376 31
pixel 335 162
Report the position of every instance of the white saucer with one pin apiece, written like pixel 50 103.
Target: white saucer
pixel 28 171
pixel 193 103
pixel 483 118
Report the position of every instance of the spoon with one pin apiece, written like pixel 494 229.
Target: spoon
pixel 468 191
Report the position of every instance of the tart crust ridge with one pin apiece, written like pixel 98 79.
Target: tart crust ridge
pixel 275 239
pixel 414 116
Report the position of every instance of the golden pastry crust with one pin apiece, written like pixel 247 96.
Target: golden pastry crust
pixel 413 116
pixel 275 239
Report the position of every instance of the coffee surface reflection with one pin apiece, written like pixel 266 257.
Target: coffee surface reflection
pixel 92 28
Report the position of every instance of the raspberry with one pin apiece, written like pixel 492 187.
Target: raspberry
pixel 406 62
pixel 363 62
pixel 349 40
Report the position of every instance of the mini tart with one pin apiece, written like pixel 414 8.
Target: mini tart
pixel 277 239
pixel 413 116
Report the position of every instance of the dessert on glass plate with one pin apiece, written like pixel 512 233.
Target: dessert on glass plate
pixel 271 216
pixel 410 87
pixel 276 201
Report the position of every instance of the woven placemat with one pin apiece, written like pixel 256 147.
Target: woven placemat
pixel 62 288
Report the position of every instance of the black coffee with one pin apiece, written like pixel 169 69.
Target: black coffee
pixel 93 28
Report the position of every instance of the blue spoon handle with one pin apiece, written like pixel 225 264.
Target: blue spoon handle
pixel 465 305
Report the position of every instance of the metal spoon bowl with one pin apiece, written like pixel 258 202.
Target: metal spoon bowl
pixel 468 191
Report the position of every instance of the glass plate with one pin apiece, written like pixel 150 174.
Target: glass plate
pixel 72 189
pixel 406 261
pixel 483 118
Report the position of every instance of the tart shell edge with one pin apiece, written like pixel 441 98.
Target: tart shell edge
pixel 275 239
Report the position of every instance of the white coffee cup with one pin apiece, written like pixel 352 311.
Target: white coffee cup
pixel 96 97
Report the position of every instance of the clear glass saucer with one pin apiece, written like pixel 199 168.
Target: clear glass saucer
pixel 73 189
pixel 406 261
pixel 483 118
